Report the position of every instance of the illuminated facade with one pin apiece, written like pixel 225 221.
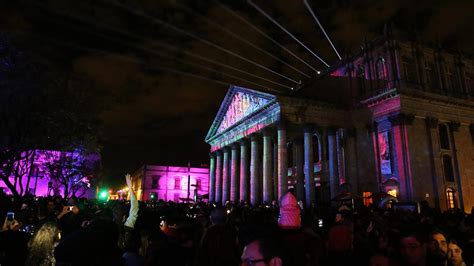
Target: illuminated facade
pixel 34 173
pixel 396 118
pixel 170 183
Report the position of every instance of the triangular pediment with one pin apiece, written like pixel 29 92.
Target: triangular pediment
pixel 238 104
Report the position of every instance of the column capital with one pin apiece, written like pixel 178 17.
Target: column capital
pixel 431 122
pixel 401 119
pixel 351 132
pixel 212 154
pixel 281 124
pixel 225 149
pixel 267 132
pixel 372 127
pixel 255 137
pixel 218 152
pixel 309 128
pixel 331 130
pixel 234 146
pixel 243 141
pixel 454 126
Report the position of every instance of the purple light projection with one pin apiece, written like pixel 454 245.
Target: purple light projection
pixel 170 183
pixel 241 106
pixel 34 167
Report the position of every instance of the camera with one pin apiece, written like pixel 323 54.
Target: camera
pixel 10 216
pixel 70 208
pixel 320 222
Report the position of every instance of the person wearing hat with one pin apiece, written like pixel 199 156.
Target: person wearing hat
pixel 301 246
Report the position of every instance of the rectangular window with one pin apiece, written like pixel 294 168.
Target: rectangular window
pixel 177 183
pixel 367 198
pixel 450 199
pixel 429 76
pixel 155 182
pixel 443 137
pixel 198 184
pixel 448 168
pixel 176 197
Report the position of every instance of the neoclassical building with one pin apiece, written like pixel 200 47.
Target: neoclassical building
pixel 171 183
pixel 398 117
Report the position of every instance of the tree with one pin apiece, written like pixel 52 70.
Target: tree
pixel 40 109
pixel 72 171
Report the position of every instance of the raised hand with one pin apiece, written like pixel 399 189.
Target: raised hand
pixel 128 179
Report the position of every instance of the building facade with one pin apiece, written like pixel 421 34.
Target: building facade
pixel 47 172
pixel 396 118
pixel 171 183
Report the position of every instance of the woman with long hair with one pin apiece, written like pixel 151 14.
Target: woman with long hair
pixel 41 246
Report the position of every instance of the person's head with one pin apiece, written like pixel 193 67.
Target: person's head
pixel 437 245
pixel 379 260
pixel 289 212
pixel 413 247
pixel 339 218
pixel 262 252
pixel 217 216
pixel 42 243
pixel 454 253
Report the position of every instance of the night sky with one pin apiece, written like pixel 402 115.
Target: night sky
pixel 155 92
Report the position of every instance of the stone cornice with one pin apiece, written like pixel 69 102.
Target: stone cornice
pixel 252 124
pixel 401 119
pixel 431 122
pixel 437 97
pixel 384 95
pixel 269 106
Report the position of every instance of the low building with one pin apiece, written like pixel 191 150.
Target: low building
pixel 170 183
pixel 47 172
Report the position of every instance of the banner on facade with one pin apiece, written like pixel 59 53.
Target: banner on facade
pixel 384 153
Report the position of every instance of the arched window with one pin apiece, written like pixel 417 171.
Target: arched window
pixel 443 136
pixel 448 168
pixel 451 198
pixel 408 68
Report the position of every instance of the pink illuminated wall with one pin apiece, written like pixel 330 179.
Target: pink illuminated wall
pixel 170 183
pixel 34 167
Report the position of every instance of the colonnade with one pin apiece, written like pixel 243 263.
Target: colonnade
pixel 255 169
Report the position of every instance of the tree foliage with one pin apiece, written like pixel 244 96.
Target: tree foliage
pixel 40 108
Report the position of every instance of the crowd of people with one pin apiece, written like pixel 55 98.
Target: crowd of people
pixel 56 231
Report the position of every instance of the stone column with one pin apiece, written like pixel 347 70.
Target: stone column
pixel 267 167
pixel 275 170
pixel 351 159
pixel 282 162
pixel 431 134
pixel 308 167
pixel 218 197
pixel 226 176
pixel 341 153
pixel 299 158
pixel 244 171
pixel 212 177
pixel 454 127
pixel 254 171
pixel 400 140
pixel 234 178
pixel 332 151
pixel 325 184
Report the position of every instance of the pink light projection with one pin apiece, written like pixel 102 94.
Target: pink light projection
pixel 34 167
pixel 170 183
pixel 241 106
